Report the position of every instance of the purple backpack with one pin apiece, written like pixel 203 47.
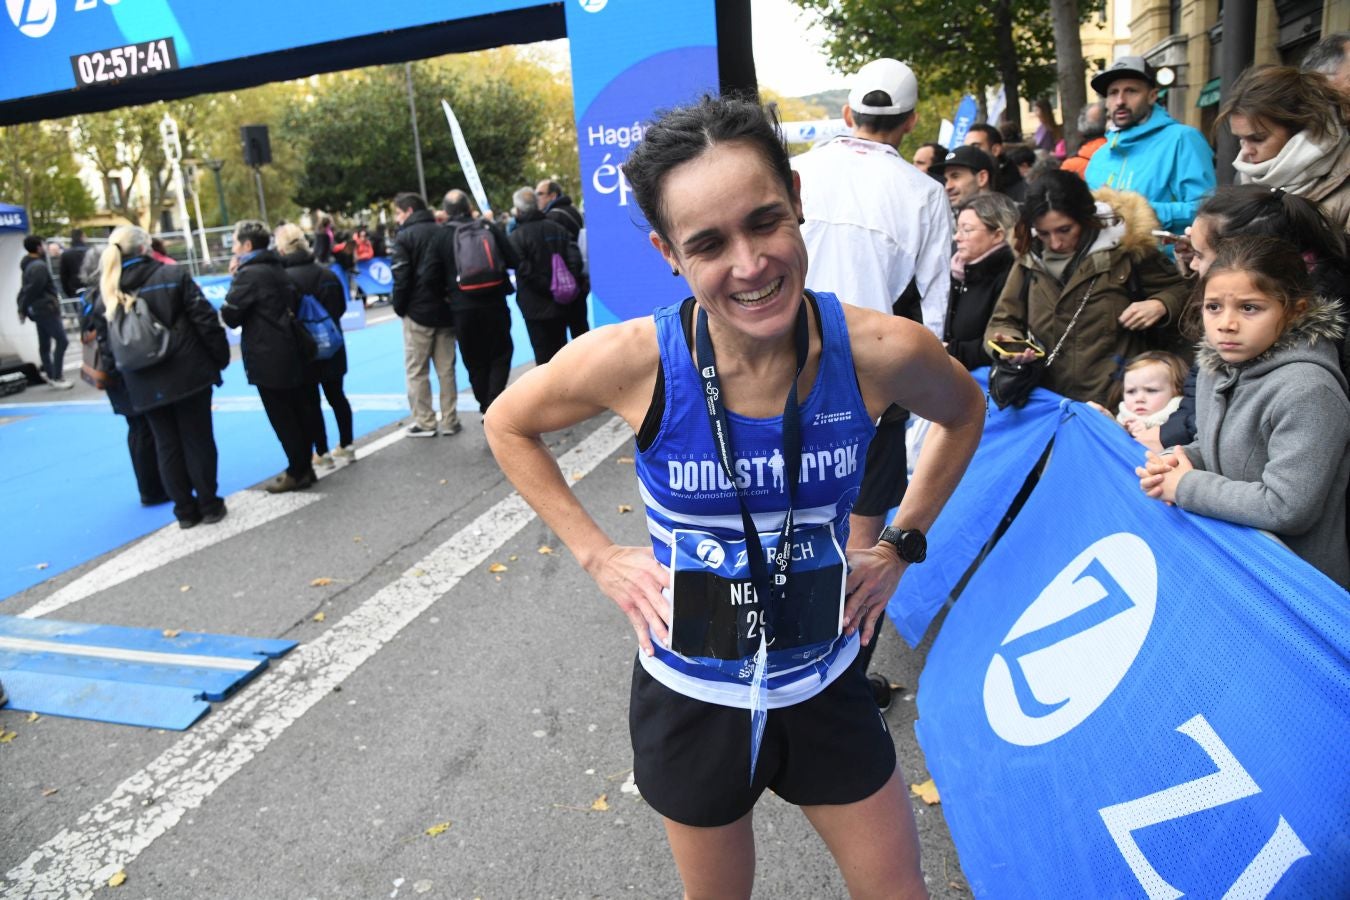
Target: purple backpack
pixel 563 284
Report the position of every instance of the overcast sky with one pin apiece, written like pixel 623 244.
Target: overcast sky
pixel 788 58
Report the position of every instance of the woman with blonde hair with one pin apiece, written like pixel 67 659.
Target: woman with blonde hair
pixel 1293 128
pixel 174 393
pixel 319 282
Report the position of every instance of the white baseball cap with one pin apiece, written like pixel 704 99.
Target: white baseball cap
pixel 889 76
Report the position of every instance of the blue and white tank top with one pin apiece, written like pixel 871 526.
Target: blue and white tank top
pixel 697 531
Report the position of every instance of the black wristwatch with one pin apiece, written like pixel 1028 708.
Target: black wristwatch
pixel 909 543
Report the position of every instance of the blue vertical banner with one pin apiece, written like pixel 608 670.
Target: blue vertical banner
pixel 966 111
pixel 623 70
pixel 1128 700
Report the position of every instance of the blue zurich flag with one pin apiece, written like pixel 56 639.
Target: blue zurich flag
pixel 1128 700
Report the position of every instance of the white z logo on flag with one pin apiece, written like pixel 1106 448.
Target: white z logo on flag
pixel 1230 783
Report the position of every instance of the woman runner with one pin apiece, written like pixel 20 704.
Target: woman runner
pixel 794 383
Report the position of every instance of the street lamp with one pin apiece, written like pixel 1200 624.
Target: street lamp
pixel 215 165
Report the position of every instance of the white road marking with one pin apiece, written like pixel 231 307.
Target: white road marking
pixel 248 509
pixel 80 859
pixel 122 654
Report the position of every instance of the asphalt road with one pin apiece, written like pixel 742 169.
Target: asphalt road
pixel 442 730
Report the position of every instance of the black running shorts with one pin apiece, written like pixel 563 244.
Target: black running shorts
pixel 885 470
pixel 691 759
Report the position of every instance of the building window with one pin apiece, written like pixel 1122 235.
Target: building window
pixel 1174 16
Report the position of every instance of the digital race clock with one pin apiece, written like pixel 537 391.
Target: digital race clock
pixel 127 61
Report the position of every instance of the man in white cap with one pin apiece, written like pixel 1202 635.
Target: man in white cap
pixel 878 233
pixel 1146 150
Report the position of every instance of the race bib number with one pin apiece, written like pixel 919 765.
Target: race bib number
pixel 715 607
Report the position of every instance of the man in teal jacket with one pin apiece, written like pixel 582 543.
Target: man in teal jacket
pixel 1148 151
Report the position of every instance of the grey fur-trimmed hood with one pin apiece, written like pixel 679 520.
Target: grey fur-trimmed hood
pixel 1310 338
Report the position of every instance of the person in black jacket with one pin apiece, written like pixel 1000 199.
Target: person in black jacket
pixel 482 318
pixel 536 239
pixel 418 263
pixel 72 259
pixel 140 439
pixel 320 283
pixel 174 394
pixel 558 207
pixel 983 259
pixel 262 301
pixel 38 301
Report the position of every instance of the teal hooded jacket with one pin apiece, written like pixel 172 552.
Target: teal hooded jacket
pixel 1171 164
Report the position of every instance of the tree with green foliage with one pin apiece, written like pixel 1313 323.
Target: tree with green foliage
pixel 954 46
pixel 356 138
pixel 216 136
pixel 38 172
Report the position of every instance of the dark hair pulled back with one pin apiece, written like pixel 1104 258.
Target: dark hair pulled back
pixel 1252 209
pixel 685 133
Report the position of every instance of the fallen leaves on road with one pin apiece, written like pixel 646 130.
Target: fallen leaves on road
pixel 927 792
pixel 185 588
pixel 7 737
pixel 47 792
pixel 445 481
pixel 624 460
pixel 601 803
pixel 321 582
pixel 625 508
pixel 119 878
pixel 438 828
pixel 357 539
pixel 171 632
pixel 33 717
pixel 545 550
pixel 496 568
pixel 320 616
pixel 418 573
pixel 512 558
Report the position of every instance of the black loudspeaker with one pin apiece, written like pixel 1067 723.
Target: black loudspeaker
pixel 257 148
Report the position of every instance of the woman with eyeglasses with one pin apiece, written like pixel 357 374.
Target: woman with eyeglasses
pixel 984 256
pixel 1089 283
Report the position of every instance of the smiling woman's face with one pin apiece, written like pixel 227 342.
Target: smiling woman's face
pixel 733 235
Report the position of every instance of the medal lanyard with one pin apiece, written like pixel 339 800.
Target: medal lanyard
pixel 770 591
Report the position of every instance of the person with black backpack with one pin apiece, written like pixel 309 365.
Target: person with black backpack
pixel 319 282
pixel 263 302
pixel 170 348
pixel 478 285
pixel 537 241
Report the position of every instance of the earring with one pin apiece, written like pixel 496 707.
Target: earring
pixel 674 271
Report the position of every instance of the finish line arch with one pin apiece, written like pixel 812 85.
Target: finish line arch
pixel 629 58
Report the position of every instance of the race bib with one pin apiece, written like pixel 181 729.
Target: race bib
pixel 715 607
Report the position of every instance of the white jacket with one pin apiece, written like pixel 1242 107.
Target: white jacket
pixel 873 222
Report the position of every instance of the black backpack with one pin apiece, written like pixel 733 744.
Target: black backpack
pixel 478 262
pixel 136 338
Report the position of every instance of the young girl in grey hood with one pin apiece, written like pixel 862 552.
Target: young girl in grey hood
pixel 1272 413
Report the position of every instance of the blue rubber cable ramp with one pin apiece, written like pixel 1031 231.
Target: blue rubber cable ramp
pixel 127 676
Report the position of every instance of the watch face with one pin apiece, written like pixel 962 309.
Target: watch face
pixel 910 543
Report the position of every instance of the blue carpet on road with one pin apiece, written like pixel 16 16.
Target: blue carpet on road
pixel 65 474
